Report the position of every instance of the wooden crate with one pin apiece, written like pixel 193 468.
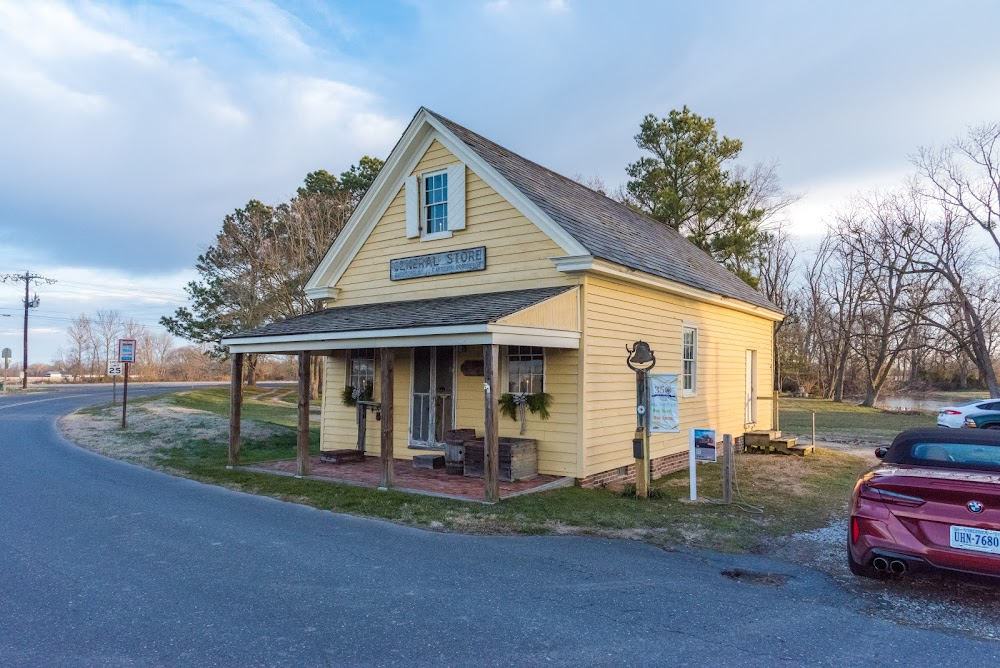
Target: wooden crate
pixel 454 449
pixel 518 458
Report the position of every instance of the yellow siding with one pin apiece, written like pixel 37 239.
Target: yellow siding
pixel 558 437
pixel 617 314
pixel 517 252
pixel 339 423
pixel 560 312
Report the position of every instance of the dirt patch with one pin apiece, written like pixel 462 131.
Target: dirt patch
pixel 152 426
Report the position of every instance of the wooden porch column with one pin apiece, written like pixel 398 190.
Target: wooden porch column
pixel 491 441
pixel 302 435
pixel 386 359
pixel 235 408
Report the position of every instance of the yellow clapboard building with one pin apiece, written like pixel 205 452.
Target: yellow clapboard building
pixel 461 245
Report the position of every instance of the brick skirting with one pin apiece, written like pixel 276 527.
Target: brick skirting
pixel 658 468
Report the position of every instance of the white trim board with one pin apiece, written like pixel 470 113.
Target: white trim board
pixel 410 149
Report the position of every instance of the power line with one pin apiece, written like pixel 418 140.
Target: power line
pixel 28 279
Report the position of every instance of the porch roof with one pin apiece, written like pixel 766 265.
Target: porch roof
pixel 454 320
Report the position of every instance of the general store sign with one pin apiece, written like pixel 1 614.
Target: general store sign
pixel 437 264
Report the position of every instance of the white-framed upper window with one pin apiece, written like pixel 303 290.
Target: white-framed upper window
pixel 435 203
pixel 689 360
pixel 434 212
pixel 361 369
pixel 525 369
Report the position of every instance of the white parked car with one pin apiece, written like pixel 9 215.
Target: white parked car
pixel 954 416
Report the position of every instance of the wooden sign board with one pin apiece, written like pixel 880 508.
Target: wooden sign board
pixel 437 264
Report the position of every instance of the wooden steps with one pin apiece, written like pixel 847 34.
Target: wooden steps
pixel 342 456
pixel 772 441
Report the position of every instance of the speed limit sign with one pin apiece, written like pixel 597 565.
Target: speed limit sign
pixel 114 368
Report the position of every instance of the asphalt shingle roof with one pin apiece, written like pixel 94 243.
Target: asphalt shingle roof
pixel 461 310
pixel 608 229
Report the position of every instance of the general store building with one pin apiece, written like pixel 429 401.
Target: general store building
pixel 465 257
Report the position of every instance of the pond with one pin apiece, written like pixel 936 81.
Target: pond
pixel 926 402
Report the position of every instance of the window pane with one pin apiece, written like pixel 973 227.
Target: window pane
pixel 525 369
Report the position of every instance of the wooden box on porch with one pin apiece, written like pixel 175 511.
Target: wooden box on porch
pixel 518 458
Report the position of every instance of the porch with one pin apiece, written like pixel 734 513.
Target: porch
pixel 430 482
pixel 410 416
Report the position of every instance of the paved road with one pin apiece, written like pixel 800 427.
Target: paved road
pixel 103 563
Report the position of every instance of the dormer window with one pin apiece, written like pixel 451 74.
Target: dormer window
pixel 435 203
pixel 435 209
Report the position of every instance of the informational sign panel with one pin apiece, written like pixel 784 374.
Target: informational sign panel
pixel 115 368
pixel 704 445
pixel 6 353
pixel 126 350
pixel 436 264
pixel 664 416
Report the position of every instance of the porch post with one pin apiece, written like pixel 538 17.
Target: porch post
pixel 235 408
pixel 491 441
pixel 302 435
pixel 386 358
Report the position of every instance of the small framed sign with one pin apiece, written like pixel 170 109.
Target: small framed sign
pixel 115 368
pixel 126 350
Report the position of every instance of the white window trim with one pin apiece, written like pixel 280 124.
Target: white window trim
pixel 693 392
pixel 504 367
pixel 422 203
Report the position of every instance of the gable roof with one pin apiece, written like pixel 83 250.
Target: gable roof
pixel 481 309
pixel 608 229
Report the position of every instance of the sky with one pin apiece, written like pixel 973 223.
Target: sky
pixel 128 130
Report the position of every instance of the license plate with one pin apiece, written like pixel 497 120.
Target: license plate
pixel 980 540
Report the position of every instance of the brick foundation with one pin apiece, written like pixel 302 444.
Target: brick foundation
pixel 658 468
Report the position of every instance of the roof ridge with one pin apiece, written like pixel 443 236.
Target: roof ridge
pixel 568 180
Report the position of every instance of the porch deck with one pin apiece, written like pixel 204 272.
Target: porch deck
pixel 434 482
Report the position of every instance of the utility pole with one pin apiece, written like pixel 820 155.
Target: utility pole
pixel 28 279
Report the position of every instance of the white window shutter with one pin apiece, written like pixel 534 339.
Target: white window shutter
pixel 412 208
pixel 456 197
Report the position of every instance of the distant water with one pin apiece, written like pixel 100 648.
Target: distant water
pixel 923 402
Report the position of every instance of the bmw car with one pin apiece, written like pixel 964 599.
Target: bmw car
pixel 933 502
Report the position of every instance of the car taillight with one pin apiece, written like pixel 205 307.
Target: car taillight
pixel 885 496
pixel 951 412
pixel 855 530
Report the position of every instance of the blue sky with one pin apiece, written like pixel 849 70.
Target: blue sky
pixel 128 130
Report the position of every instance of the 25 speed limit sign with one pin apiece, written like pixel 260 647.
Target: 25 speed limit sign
pixel 115 368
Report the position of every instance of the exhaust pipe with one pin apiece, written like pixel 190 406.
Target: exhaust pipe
pixel 897 567
pixel 880 564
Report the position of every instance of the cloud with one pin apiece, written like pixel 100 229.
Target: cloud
pixel 127 139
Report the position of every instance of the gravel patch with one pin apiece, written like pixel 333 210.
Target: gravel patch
pixel 937 601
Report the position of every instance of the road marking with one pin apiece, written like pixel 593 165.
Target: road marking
pixel 38 401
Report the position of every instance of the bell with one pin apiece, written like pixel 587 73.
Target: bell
pixel 641 354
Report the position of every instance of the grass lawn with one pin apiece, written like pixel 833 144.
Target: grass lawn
pixel 847 421
pixel 795 493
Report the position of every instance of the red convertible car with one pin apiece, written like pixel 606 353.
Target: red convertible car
pixel 933 502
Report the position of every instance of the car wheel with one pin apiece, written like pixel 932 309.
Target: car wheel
pixel 992 426
pixel 862 570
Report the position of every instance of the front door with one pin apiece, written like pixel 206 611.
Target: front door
pixel 432 407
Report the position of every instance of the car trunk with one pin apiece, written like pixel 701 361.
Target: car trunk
pixel 947 497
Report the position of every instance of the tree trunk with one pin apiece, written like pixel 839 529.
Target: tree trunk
pixel 250 370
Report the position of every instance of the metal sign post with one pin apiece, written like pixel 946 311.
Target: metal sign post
pixel 640 355
pixel 126 355
pixel 6 365
pixel 114 370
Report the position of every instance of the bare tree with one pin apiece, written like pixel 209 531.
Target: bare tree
pixel 775 271
pixel 967 307
pixel 896 297
pixel 964 177
pixel 80 335
pixel 108 326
